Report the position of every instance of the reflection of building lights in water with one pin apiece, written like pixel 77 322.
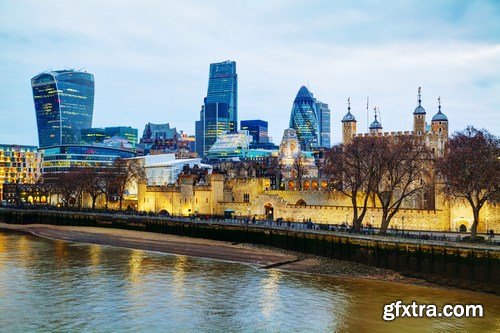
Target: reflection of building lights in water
pixel 3 248
pixel 134 264
pixel 60 249
pixel 179 276
pixel 270 296
pixel 24 248
pixel 95 257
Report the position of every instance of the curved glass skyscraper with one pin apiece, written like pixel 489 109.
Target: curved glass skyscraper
pixel 64 104
pixel 303 119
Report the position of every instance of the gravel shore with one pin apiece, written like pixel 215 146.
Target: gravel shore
pixel 256 255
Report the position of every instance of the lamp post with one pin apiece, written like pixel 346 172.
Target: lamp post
pixel 403 224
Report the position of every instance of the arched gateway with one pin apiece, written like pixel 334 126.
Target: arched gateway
pixel 269 209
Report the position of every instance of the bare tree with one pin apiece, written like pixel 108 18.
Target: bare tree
pixel 125 171
pixel 351 168
pixel 399 170
pixel 300 168
pixel 471 169
pixel 93 183
pixel 66 185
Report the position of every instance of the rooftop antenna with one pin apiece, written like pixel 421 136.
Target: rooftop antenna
pixel 81 69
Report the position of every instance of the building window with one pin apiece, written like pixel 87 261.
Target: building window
pixel 206 200
pixel 246 197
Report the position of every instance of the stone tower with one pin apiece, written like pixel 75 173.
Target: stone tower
pixel 348 125
pixel 439 131
pixel 375 126
pixel 419 117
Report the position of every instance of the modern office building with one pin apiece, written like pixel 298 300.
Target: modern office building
pixel 64 157
pixel 323 116
pixel 236 146
pixel 92 135
pixel 19 165
pixel 125 132
pixel 98 135
pixel 219 112
pixel 258 129
pixel 64 104
pixel 223 88
pixel 214 121
pixel 303 119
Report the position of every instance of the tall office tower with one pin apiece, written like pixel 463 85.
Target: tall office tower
pixel 303 119
pixel 64 103
pixel 219 112
pixel 323 116
pixel 258 129
pixel 223 88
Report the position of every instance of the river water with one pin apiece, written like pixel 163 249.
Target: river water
pixel 48 285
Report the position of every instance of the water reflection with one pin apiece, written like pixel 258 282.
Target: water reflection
pixel 270 296
pixel 58 286
pixel 179 276
pixel 135 266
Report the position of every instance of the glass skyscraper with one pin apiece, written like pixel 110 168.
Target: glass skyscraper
pixel 303 119
pixel 323 116
pixel 64 103
pixel 258 129
pixel 223 88
pixel 214 121
pixel 219 113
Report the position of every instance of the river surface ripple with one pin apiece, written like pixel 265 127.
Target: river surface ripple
pixel 48 285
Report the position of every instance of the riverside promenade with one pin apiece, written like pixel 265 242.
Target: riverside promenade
pixel 443 261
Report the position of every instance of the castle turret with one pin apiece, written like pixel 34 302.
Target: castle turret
pixel 348 125
pixel 439 123
pixel 439 131
pixel 419 117
pixel 375 126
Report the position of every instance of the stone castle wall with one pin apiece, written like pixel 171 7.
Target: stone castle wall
pixel 330 207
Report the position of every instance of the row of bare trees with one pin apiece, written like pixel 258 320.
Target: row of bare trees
pixel 389 169
pixel 394 169
pixel 110 182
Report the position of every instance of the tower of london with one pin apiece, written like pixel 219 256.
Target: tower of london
pixel 434 136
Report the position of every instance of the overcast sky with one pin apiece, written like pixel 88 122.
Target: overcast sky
pixel 150 59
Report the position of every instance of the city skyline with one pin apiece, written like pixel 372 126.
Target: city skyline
pixel 338 50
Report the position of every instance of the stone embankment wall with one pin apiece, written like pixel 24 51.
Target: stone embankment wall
pixel 462 265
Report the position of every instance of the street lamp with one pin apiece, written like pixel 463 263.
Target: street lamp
pixel 403 223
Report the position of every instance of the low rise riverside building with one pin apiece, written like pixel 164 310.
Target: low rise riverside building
pixel 19 165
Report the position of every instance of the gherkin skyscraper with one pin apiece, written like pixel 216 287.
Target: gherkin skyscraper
pixel 303 119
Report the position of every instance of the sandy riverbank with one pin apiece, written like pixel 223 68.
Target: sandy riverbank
pixel 259 256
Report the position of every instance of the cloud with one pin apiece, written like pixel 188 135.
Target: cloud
pixel 150 59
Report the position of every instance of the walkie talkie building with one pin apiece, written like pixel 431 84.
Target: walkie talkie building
pixel 64 104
